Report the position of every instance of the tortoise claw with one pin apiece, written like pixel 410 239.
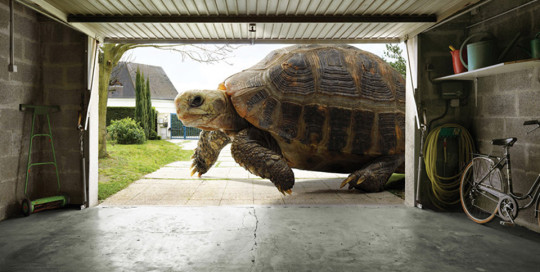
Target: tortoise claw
pixel 194 171
pixel 289 192
pixel 346 181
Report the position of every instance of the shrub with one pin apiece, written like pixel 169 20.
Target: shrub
pixel 126 131
pixel 153 135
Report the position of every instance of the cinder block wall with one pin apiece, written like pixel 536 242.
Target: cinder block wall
pixel 51 68
pixel 503 102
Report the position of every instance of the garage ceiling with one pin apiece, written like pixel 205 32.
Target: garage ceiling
pixel 250 21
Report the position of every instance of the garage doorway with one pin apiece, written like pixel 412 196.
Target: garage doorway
pixel 226 183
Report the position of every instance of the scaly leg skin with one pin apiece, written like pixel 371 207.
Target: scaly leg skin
pixel 253 155
pixel 207 151
pixel 374 176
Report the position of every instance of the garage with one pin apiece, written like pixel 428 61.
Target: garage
pixel 49 48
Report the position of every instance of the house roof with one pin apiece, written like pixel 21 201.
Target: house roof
pixel 257 21
pixel 123 81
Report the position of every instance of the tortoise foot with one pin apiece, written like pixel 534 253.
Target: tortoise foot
pixel 207 151
pixel 373 177
pixel 259 160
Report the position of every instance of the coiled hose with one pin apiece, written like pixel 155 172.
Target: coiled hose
pixel 445 190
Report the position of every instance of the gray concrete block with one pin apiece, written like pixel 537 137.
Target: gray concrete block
pixel 10 92
pixel 520 182
pixel 31 51
pixel 484 146
pixel 73 37
pixel 18 48
pixel 528 103
pixel 515 128
pixel 27 73
pixel 4 73
pixel 7 190
pixel 4 45
pixel 75 77
pixel 11 118
pixel 486 86
pixel 4 17
pixel 501 105
pixel 27 27
pixel 488 128
pixel 65 54
pixel 53 76
pixel 19 144
pixel 518 156
pixel 9 168
pixel 533 156
pixel 516 81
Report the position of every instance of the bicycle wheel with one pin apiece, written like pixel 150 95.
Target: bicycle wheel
pixel 479 205
pixel 538 209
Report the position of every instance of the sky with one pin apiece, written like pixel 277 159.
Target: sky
pixel 189 74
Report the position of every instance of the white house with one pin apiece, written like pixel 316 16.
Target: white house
pixel 122 93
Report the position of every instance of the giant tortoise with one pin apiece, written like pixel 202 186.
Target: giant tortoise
pixel 332 108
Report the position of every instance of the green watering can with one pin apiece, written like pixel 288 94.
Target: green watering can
pixel 483 53
pixel 535 46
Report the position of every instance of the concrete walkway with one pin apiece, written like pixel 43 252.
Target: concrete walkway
pixel 226 183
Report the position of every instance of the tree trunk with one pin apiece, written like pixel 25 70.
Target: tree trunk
pixel 104 77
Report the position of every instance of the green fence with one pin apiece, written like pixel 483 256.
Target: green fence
pixel 179 131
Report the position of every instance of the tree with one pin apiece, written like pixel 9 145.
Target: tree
pixel 109 56
pixel 395 53
pixel 140 100
pixel 148 109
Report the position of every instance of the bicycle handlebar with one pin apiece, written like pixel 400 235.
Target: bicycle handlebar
pixel 531 122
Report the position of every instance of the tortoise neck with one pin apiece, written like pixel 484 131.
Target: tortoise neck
pixel 230 121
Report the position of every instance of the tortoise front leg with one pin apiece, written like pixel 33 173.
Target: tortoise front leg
pixel 373 177
pixel 260 160
pixel 207 151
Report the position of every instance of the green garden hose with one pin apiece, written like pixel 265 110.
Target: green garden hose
pixel 445 189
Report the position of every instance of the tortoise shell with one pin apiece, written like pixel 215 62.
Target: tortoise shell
pixel 324 101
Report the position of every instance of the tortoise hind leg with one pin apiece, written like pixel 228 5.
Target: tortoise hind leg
pixel 260 156
pixel 208 149
pixel 374 176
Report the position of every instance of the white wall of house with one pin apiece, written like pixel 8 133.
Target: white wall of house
pixel 163 107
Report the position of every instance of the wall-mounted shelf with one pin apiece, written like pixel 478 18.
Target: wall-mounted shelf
pixel 501 68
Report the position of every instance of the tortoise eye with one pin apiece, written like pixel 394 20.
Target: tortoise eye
pixel 197 101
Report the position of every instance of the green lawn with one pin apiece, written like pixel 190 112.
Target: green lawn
pixel 128 163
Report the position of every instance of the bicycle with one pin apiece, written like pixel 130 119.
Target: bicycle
pixel 484 193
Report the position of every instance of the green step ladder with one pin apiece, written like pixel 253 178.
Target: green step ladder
pixel 51 202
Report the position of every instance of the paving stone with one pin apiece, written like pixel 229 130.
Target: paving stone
pixel 180 164
pixel 203 202
pixel 236 202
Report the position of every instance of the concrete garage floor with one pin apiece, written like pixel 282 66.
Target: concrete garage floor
pixel 262 238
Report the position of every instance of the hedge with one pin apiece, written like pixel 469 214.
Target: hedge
pixel 118 113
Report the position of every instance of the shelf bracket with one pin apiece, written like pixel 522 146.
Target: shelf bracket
pixel 476 92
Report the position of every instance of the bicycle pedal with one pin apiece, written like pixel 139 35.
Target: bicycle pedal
pixel 507 224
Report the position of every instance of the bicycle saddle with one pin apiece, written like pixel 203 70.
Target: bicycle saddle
pixel 505 142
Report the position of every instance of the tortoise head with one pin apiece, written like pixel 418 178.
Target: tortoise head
pixel 206 109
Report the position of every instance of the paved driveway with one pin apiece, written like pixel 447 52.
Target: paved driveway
pixel 229 184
